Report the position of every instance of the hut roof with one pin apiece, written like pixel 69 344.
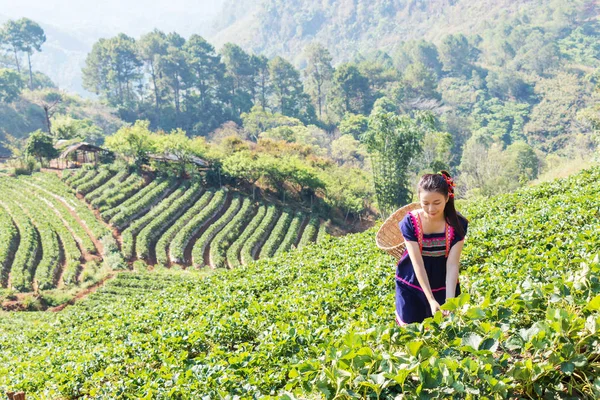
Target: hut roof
pixel 169 157
pixel 82 146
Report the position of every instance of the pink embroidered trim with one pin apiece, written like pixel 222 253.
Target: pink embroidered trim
pixel 417 287
pixel 399 320
pixel 418 229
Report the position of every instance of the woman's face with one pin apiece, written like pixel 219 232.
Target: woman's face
pixel 433 203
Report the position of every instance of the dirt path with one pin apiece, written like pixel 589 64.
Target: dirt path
pixel 84 293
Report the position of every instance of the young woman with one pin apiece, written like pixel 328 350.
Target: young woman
pixel 427 273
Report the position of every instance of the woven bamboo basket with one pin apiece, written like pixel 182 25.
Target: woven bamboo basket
pixel 389 237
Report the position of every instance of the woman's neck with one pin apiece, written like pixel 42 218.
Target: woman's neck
pixel 437 219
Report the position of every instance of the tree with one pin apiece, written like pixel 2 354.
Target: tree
pixel 456 54
pixel 262 79
pixel 40 146
pixel 241 71
pixel 65 127
pixel 393 141
pixel 111 69
pixel 48 100
pixel 134 142
pixel 289 92
pixel 152 47
pixel 12 37
pixel 318 73
pixel 354 124
pixel 175 143
pixel 33 37
pixel 351 90
pixel 11 85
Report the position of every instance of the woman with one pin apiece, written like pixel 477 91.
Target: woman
pixel 427 273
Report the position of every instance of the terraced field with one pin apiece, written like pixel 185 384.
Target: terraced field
pixel 46 234
pixel 170 222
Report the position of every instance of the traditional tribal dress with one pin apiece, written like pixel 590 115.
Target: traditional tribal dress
pixel 411 303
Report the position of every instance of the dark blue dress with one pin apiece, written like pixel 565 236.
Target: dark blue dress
pixel 411 303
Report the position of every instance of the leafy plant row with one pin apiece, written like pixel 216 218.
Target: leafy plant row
pixel 111 183
pixel 109 213
pixel 124 190
pixel 222 241
pixel 127 214
pixel 9 237
pixel 129 234
pixel 292 234
pixel 277 234
pixel 25 261
pixel 102 176
pixel 310 232
pixel 51 184
pixel 250 248
pixel 184 236
pixel 233 253
pixel 163 244
pixel 209 233
pixel 158 225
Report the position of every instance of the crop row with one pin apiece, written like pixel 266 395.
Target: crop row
pixel 259 236
pixel 162 246
pixel 209 233
pixel 291 237
pixel 99 179
pixel 233 253
pixel 119 193
pixel 277 235
pixel 158 225
pixel 127 214
pixel 9 238
pixel 51 184
pixel 231 231
pixel 25 259
pixel 129 234
pixel 111 183
pixel 184 236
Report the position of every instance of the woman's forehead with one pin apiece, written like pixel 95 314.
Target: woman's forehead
pixel 425 195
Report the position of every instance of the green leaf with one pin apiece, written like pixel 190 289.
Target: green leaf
pixel 472 340
pixel 594 304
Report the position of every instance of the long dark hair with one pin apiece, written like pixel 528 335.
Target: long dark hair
pixel 437 183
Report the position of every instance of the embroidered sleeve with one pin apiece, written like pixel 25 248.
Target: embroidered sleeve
pixel 407 228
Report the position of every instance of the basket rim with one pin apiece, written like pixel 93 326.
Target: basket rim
pixel 392 220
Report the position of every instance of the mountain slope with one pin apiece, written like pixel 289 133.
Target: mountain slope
pixel 347 27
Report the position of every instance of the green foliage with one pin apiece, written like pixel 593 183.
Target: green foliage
pixel 392 141
pixel 134 142
pixel 40 145
pixel 320 321
pixel 11 85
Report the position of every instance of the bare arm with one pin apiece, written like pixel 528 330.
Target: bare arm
pixel 417 261
pixel 452 265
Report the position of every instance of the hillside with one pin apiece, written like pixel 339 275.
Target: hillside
pixel 349 28
pixel 318 323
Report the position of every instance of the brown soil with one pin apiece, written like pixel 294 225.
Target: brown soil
pixel 83 293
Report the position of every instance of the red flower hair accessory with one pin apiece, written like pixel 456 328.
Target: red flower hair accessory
pixel 450 183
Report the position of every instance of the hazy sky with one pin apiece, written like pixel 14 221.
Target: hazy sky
pixel 101 17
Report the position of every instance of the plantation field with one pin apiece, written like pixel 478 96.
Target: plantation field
pixel 319 322
pixel 51 241
pixel 48 238
pixel 167 221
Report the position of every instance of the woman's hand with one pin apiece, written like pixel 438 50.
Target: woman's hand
pixel 435 307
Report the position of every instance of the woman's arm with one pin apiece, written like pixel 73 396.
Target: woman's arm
pixel 417 261
pixel 452 269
